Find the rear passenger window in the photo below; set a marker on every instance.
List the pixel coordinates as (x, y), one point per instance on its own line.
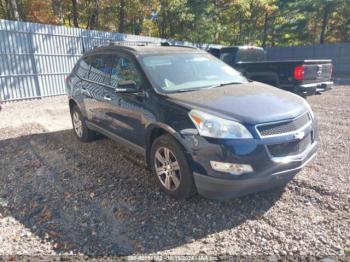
(83, 68)
(100, 70)
(124, 69)
(227, 58)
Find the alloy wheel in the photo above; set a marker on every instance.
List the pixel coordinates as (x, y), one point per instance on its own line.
(167, 168)
(77, 124)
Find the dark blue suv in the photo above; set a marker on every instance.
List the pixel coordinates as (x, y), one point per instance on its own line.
(201, 126)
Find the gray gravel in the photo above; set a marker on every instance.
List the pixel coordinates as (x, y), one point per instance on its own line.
(60, 196)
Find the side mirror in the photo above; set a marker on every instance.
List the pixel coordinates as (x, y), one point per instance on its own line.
(127, 86)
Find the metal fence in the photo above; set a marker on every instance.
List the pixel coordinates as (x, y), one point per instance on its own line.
(339, 53)
(36, 58)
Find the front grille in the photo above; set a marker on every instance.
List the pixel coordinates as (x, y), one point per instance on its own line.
(284, 127)
(291, 148)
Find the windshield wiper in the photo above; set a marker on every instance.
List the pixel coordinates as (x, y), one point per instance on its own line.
(206, 87)
(225, 84)
(186, 90)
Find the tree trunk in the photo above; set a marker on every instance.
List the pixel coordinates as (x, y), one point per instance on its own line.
(273, 32)
(14, 10)
(121, 28)
(57, 10)
(326, 13)
(161, 26)
(93, 19)
(75, 13)
(215, 22)
(346, 36)
(265, 30)
(240, 26)
(69, 20)
(7, 9)
(20, 7)
(314, 30)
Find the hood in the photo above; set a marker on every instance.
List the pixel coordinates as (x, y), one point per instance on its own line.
(250, 103)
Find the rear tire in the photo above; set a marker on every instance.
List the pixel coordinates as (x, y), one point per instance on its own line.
(80, 129)
(171, 168)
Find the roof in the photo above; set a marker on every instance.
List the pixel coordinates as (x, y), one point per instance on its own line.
(140, 50)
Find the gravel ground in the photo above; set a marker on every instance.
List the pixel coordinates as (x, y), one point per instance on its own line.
(60, 196)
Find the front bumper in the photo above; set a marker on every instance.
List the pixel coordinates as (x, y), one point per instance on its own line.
(269, 171)
(221, 189)
(314, 88)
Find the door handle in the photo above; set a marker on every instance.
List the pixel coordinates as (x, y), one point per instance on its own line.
(107, 97)
(84, 91)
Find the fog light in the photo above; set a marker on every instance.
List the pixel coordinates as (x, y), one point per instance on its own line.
(234, 169)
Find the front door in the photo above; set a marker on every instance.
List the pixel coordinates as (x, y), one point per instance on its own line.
(124, 111)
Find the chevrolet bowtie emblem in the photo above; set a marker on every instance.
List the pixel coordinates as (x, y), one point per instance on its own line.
(299, 135)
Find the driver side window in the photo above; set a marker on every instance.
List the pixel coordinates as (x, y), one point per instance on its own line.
(124, 69)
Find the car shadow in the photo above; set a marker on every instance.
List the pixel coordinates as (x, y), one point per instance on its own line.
(99, 199)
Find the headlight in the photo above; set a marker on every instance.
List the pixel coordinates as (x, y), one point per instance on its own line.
(310, 110)
(213, 126)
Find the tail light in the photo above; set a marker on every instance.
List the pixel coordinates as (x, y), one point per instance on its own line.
(299, 72)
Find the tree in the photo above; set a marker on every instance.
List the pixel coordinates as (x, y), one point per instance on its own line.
(75, 14)
(227, 22)
(3, 10)
(329, 6)
(39, 11)
(14, 10)
(121, 28)
(93, 18)
(57, 10)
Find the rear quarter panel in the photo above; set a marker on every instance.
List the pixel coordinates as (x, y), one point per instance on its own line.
(275, 73)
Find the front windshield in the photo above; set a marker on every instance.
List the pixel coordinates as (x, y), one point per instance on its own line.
(189, 71)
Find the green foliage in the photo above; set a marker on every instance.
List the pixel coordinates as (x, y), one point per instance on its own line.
(228, 22)
(2, 10)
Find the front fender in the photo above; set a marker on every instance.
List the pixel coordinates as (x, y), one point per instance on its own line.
(166, 129)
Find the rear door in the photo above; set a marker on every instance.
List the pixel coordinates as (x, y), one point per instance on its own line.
(81, 72)
(98, 77)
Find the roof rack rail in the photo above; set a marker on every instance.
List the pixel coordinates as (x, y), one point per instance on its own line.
(132, 43)
(167, 43)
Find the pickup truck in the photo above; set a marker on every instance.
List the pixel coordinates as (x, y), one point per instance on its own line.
(303, 77)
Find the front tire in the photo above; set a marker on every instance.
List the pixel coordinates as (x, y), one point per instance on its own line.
(80, 129)
(170, 165)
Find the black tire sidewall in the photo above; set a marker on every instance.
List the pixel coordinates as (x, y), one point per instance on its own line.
(187, 187)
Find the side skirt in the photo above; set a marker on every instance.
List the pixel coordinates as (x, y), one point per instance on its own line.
(138, 149)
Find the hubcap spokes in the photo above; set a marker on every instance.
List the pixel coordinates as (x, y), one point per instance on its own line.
(77, 124)
(167, 168)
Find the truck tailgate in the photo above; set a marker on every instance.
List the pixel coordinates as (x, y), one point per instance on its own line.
(317, 71)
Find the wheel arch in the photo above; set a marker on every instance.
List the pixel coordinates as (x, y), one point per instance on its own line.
(72, 103)
(156, 130)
